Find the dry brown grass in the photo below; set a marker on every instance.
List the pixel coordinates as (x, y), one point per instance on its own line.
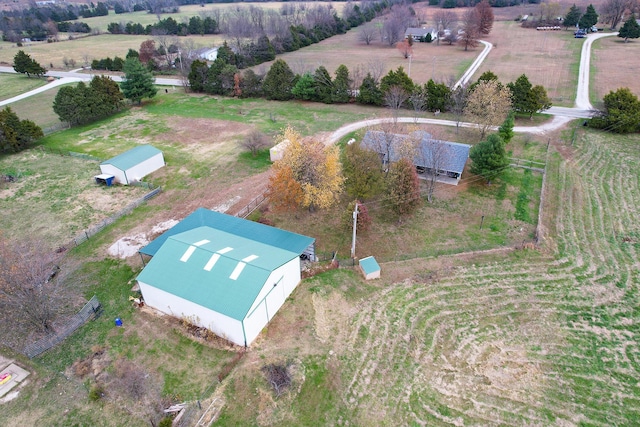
(614, 64)
(428, 60)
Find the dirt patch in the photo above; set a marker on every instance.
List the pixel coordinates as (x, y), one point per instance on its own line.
(206, 133)
(128, 246)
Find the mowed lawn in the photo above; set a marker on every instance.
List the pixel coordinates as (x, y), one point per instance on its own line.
(14, 84)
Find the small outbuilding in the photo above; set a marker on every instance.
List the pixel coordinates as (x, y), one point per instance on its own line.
(369, 268)
(277, 151)
(229, 275)
(133, 165)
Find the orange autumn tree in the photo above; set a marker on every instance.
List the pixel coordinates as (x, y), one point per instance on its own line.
(309, 175)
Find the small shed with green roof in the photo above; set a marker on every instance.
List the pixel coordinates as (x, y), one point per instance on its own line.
(133, 165)
(370, 268)
(227, 282)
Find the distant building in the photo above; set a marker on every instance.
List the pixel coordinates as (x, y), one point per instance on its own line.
(419, 34)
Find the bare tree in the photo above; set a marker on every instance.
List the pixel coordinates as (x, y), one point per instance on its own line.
(488, 105)
(398, 19)
(32, 295)
(485, 17)
(451, 38)
(458, 103)
(376, 69)
(418, 100)
(613, 11)
(167, 43)
(471, 29)
(395, 98)
(432, 155)
(254, 142)
(367, 33)
(443, 20)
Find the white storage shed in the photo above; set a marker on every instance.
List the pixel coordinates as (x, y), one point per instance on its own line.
(133, 165)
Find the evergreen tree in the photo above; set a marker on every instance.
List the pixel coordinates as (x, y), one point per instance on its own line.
(438, 96)
(341, 85)
(16, 134)
(251, 85)
(324, 85)
(213, 84)
(108, 95)
(621, 112)
(198, 75)
(279, 81)
(506, 129)
(630, 29)
(138, 82)
(573, 17)
(264, 50)
(521, 100)
(589, 19)
(369, 93)
(24, 64)
(397, 78)
(489, 158)
(305, 88)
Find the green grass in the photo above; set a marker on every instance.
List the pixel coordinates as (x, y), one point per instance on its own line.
(38, 108)
(15, 84)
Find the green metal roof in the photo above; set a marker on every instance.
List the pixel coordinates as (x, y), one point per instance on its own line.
(215, 269)
(369, 265)
(132, 157)
(255, 231)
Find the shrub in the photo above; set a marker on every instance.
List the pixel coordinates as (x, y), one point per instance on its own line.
(96, 393)
(166, 422)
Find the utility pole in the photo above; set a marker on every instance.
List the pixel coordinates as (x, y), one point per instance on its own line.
(355, 221)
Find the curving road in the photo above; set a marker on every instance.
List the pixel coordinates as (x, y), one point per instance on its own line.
(562, 115)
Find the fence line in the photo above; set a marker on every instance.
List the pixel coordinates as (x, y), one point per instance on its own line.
(68, 153)
(91, 309)
(55, 128)
(252, 206)
(86, 234)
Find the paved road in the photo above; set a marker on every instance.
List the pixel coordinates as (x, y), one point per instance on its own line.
(562, 115)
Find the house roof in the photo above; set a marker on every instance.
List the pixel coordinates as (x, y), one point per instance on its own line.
(448, 156)
(215, 269)
(262, 233)
(417, 32)
(132, 157)
(369, 265)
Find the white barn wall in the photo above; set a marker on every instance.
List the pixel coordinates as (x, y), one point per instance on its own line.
(144, 168)
(173, 305)
(117, 173)
(271, 298)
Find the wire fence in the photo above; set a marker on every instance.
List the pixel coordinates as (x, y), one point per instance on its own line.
(92, 309)
(55, 128)
(86, 234)
(68, 153)
(252, 206)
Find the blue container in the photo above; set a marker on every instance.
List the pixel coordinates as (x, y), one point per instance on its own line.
(118, 321)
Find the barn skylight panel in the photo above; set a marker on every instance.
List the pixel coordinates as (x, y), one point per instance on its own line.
(212, 261)
(191, 249)
(224, 250)
(236, 271)
(250, 258)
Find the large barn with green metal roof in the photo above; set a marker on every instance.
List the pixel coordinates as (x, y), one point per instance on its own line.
(217, 275)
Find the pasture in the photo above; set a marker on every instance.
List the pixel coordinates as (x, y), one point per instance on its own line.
(14, 84)
(613, 66)
(465, 327)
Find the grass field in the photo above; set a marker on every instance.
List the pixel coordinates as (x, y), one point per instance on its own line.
(460, 330)
(14, 84)
(186, 11)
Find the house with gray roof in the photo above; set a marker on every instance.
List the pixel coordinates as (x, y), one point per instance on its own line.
(419, 34)
(431, 156)
(230, 276)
